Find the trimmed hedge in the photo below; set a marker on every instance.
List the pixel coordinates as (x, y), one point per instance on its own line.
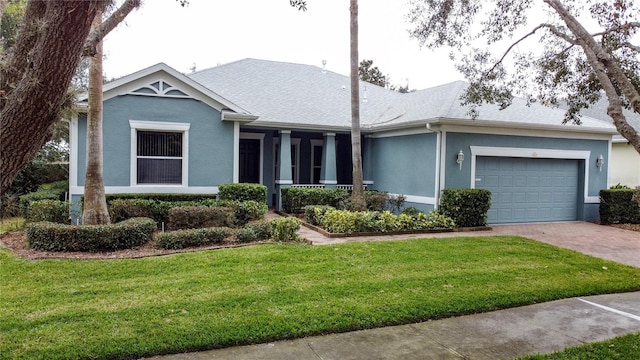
(285, 229)
(243, 192)
(346, 222)
(617, 206)
(54, 192)
(181, 239)
(57, 237)
(295, 199)
(195, 217)
(255, 231)
(55, 211)
(162, 197)
(467, 207)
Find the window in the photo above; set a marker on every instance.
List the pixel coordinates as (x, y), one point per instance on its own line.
(159, 157)
(316, 160)
(159, 153)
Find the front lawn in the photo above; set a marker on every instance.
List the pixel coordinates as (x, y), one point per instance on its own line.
(625, 347)
(71, 309)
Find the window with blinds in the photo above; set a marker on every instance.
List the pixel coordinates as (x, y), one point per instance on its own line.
(159, 157)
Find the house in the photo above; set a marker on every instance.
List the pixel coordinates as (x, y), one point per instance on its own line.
(283, 124)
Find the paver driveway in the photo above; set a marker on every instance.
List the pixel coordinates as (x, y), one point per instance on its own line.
(597, 240)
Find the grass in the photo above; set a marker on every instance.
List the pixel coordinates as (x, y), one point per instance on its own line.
(621, 348)
(72, 309)
(11, 224)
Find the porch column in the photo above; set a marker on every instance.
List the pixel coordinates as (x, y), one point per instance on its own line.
(329, 173)
(367, 161)
(285, 177)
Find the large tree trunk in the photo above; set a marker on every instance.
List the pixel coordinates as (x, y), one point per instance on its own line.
(357, 195)
(36, 75)
(95, 205)
(608, 73)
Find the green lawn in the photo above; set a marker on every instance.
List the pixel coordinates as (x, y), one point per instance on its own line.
(71, 309)
(621, 348)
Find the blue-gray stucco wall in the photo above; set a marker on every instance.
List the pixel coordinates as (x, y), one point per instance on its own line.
(461, 178)
(405, 164)
(210, 139)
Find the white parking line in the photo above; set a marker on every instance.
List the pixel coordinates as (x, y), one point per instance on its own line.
(631, 316)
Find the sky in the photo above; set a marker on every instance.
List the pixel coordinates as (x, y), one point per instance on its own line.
(208, 33)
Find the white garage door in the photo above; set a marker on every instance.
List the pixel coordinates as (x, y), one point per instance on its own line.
(529, 190)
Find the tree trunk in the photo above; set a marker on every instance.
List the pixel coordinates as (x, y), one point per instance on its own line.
(36, 75)
(357, 195)
(95, 205)
(608, 73)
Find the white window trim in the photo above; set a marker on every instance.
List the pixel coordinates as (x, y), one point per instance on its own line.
(314, 143)
(236, 167)
(158, 126)
(534, 153)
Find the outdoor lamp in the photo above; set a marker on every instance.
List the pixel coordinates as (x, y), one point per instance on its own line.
(600, 162)
(460, 158)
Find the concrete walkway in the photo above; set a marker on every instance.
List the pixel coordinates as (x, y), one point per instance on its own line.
(504, 334)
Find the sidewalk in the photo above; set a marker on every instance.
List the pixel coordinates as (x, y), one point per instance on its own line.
(504, 334)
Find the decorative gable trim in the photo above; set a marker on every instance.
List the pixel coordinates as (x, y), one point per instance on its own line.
(161, 88)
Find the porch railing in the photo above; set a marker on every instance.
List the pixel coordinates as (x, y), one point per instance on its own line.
(322, 186)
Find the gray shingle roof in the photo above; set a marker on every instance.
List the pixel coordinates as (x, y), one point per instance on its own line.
(305, 96)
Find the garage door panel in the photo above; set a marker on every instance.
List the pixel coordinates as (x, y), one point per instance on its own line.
(529, 190)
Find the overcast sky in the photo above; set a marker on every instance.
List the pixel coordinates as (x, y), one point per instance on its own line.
(213, 32)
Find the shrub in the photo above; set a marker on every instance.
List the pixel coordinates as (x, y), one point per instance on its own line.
(248, 211)
(395, 202)
(26, 200)
(619, 186)
(55, 211)
(180, 239)
(313, 213)
(467, 207)
(344, 221)
(243, 192)
(9, 205)
(163, 197)
(295, 199)
(618, 207)
(339, 221)
(376, 200)
(255, 231)
(285, 229)
(123, 209)
(194, 217)
(58, 237)
(411, 211)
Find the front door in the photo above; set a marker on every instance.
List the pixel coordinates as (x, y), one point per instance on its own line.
(250, 161)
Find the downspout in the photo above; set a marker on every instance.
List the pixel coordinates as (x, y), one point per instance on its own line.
(438, 163)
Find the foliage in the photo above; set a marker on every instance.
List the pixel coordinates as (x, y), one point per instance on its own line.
(163, 197)
(313, 213)
(134, 308)
(346, 222)
(11, 224)
(567, 64)
(246, 211)
(618, 207)
(58, 237)
(467, 207)
(9, 205)
(395, 202)
(371, 74)
(194, 217)
(243, 192)
(181, 239)
(255, 231)
(285, 229)
(10, 23)
(619, 186)
(54, 211)
(37, 173)
(295, 199)
(411, 211)
(53, 191)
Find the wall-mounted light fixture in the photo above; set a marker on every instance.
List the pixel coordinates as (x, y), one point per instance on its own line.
(460, 158)
(600, 162)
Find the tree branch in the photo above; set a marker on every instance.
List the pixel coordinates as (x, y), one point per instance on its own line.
(626, 27)
(116, 18)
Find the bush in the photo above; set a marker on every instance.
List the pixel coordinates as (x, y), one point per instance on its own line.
(9, 205)
(411, 211)
(285, 229)
(255, 231)
(58, 237)
(123, 209)
(26, 200)
(55, 211)
(248, 211)
(195, 217)
(243, 192)
(376, 200)
(618, 207)
(180, 239)
(196, 198)
(467, 207)
(344, 221)
(295, 199)
(313, 213)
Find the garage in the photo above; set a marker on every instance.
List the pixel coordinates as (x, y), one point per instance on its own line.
(529, 189)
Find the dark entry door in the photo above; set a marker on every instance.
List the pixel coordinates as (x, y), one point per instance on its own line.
(249, 161)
